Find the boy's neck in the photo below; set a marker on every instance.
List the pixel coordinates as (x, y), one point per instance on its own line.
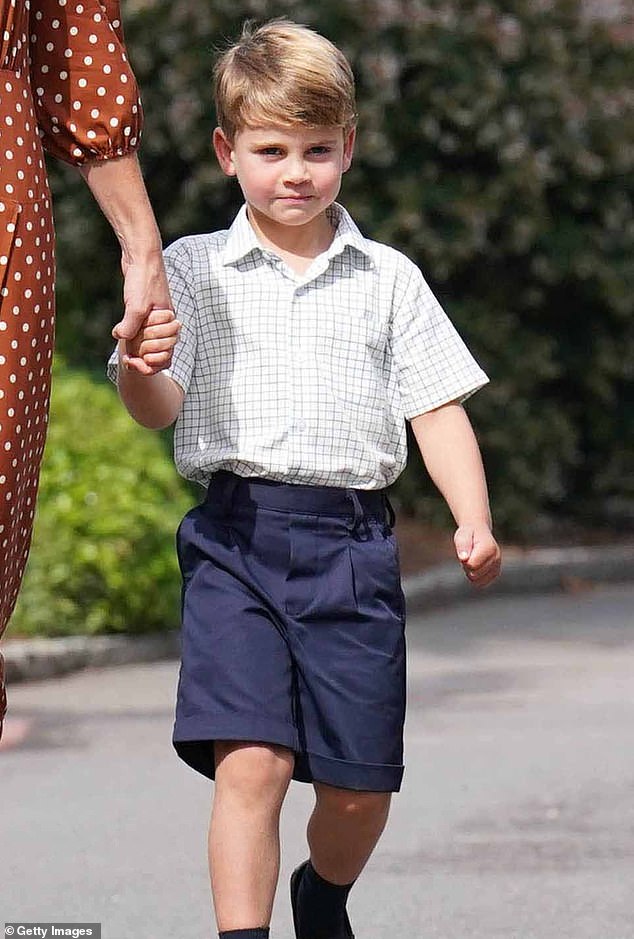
(297, 245)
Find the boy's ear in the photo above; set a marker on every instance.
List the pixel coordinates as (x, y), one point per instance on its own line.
(348, 147)
(224, 152)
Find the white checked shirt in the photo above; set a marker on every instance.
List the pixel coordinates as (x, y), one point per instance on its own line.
(306, 378)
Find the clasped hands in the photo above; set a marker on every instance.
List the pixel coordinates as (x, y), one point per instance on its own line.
(150, 350)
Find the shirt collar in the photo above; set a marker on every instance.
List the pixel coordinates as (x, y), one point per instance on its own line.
(242, 240)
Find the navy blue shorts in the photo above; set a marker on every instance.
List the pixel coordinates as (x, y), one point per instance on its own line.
(293, 630)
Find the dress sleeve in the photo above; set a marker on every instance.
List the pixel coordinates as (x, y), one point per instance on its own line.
(86, 96)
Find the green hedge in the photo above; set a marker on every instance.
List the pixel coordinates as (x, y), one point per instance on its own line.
(495, 149)
(103, 557)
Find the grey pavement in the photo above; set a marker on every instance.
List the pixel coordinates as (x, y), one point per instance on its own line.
(516, 817)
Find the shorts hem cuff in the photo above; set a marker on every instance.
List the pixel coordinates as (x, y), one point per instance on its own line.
(193, 738)
(369, 777)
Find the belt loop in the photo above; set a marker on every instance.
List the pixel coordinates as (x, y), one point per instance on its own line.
(390, 513)
(357, 510)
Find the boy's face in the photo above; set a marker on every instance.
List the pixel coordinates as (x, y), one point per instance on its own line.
(289, 175)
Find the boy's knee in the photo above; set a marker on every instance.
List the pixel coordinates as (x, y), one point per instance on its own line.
(253, 772)
(352, 804)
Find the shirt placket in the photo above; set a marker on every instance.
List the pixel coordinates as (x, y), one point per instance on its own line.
(289, 377)
(298, 420)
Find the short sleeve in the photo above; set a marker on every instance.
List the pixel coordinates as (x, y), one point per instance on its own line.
(184, 356)
(432, 363)
(178, 268)
(86, 96)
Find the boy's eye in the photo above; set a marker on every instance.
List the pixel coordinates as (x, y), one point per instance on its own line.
(319, 150)
(270, 151)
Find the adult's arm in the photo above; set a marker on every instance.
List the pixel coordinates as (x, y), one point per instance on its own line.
(89, 114)
(118, 187)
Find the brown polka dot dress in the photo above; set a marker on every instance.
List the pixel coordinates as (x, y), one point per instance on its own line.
(65, 83)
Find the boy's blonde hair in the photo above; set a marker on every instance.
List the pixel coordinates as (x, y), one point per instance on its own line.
(283, 73)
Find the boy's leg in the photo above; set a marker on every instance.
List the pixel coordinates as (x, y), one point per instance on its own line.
(244, 850)
(342, 832)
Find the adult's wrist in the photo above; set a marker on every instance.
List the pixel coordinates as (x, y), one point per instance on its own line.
(141, 250)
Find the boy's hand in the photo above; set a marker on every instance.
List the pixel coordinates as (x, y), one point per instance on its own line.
(150, 351)
(479, 553)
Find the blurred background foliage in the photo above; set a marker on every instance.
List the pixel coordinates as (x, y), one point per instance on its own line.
(103, 557)
(495, 149)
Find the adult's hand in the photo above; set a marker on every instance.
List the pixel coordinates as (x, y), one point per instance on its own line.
(145, 288)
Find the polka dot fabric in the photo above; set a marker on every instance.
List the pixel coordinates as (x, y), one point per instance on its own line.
(65, 84)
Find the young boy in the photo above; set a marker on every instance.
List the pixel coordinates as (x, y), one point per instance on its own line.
(303, 348)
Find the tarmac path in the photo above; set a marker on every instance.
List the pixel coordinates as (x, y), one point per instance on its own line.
(516, 818)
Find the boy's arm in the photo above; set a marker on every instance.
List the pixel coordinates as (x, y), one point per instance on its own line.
(451, 454)
(152, 398)
(154, 401)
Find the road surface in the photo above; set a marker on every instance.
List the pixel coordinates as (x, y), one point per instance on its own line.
(516, 818)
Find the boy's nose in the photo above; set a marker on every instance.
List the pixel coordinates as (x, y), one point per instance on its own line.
(296, 171)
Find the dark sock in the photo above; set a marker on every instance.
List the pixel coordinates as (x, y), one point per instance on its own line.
(321, 906)
(261, 933)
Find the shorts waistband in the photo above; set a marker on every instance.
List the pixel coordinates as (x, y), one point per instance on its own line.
(226, 488)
